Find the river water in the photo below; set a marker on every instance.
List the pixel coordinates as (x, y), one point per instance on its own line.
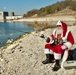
(10, 30)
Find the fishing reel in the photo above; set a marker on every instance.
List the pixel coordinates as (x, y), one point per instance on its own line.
(56, 41)
(47, 39)
(42, 36)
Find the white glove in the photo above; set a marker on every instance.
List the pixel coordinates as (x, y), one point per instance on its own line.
(63, 47)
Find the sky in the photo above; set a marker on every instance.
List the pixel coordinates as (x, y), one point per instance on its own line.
(20, 7)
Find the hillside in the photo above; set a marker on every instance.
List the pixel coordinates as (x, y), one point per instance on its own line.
(53, 9)
(64, 12)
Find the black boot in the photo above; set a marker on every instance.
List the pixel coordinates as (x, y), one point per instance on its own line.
(48, 59)
(57, 66)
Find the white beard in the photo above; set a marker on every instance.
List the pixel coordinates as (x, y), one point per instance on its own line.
(59, 31)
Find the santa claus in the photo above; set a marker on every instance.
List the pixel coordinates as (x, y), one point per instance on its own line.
(58, 44)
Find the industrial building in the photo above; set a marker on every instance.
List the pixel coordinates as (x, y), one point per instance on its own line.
(8, 16)
(3, 15)
(11, 14)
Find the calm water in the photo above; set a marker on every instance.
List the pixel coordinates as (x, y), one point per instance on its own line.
(12, 31)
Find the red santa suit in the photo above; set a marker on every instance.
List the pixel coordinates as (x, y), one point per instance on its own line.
(57, 49)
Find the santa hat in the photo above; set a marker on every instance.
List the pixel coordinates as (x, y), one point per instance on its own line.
(59, 23)
(64, 26)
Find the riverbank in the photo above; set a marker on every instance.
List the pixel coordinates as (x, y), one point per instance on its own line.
(50, 20)
(41, 23)
(25, 56)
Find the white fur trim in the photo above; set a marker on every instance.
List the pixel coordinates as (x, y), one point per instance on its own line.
(47, 51)
(67, 33)
(65, 37)
(65, 56)
(68, 44)
(57, 56)
(59, 23)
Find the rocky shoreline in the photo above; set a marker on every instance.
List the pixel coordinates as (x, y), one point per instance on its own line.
(25, 56)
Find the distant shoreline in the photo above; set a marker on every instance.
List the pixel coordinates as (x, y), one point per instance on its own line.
(52, 20)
